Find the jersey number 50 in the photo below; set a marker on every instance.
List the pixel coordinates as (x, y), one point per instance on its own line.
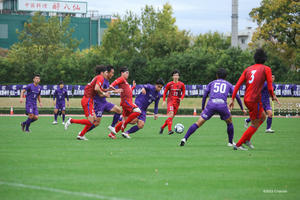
(219, 88)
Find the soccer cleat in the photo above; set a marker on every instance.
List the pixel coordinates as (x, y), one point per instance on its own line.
(239, 148)
(170, 132)
(112, 136)
(54, 122)
(269, 130)
(27, 131)
(63, 123)
(23, 126)
(161, 130)
(68, 123)
(182, 142)
(246, 124)
(126, 135)
(81, 138)
(230, 144)
(112, 129)
(249, 144)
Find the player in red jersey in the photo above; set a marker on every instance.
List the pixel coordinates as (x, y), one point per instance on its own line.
(130, 110)
(254, 76)
(87, 102)
(176, 94)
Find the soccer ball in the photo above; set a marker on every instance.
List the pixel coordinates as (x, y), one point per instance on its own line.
(179, 128)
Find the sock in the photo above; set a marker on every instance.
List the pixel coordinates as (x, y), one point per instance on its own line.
(118, 127)
(269, 122)
(130, 118)
(55, 117)
(91, 128)
(248, 120)
(85, 129)
(170, 122)
(230, 132)
(133, 129)
(115, 119)
(27, 122)
(63, 117)
(81, 121)
(246, 135)
(191, 130)
(165, 124)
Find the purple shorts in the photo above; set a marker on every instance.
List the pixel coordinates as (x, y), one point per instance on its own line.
(266, 105)
(60, 106)
(100, 107)
(212, 109)
(142, 116)
(32, 109)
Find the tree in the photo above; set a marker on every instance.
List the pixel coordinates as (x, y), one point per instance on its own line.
(43, 42)
(279, 25)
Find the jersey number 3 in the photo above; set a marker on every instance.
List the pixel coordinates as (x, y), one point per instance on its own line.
(252, 76)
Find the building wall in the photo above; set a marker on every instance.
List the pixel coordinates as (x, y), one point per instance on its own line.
(86, 29)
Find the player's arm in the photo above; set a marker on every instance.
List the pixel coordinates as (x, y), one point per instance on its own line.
(133, 85)
(236, 88)
(67, 96)
(206, 92)
(145, 89)
(268, 72)
(54, 96)
(40, 100)
(156, 108)
(183, 91)
(165, 93)
(22, 95)
(100, 92)
(240, 104)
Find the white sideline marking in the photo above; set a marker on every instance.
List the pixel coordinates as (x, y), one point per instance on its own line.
(83, 194)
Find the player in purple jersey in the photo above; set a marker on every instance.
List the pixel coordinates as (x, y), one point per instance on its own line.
(33, 93)
(60, 105)
(218, 92)
(150, 93)
(265, 99)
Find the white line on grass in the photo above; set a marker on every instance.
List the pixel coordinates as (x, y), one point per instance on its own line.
(82, 194)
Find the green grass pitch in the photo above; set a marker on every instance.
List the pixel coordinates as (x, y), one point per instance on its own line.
(49, 163)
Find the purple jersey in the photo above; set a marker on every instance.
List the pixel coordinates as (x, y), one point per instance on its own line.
(97, 98)
(218, 91)
(32, 92)
(265, 96)
(60, 95)
(144, 100)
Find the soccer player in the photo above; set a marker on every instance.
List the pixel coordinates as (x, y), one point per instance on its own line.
(150, 93)
(176, 94)
(87, 102)
(254, 76)
(130, 110)
(265, 99)
(218, 92)
(102, 105)
(33, 93)
(60, 94)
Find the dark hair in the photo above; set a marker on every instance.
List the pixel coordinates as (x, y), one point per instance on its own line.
(123, 69)
(260, 57)
(36, 75)
(221, 73)
(60, 82)
(109, 68)
(176, 71)
(160, 81)
(99, 69)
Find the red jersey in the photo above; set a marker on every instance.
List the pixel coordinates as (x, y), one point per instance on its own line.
(89, 90)
(126, 94)
(255, 76)
(176, 91)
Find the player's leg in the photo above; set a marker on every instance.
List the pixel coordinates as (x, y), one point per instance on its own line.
(269, 121)
(134, 110)
(192, 129)
(140, 124)
(32, 112)
(63, 113)
(55, 115)
(257, 116)
(230, 131)
(118, 111)
(169, 120)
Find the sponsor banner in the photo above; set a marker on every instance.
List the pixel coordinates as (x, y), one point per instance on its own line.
(287, 90)
(296, 91)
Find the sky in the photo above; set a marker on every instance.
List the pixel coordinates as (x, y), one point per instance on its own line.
(196, 16)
